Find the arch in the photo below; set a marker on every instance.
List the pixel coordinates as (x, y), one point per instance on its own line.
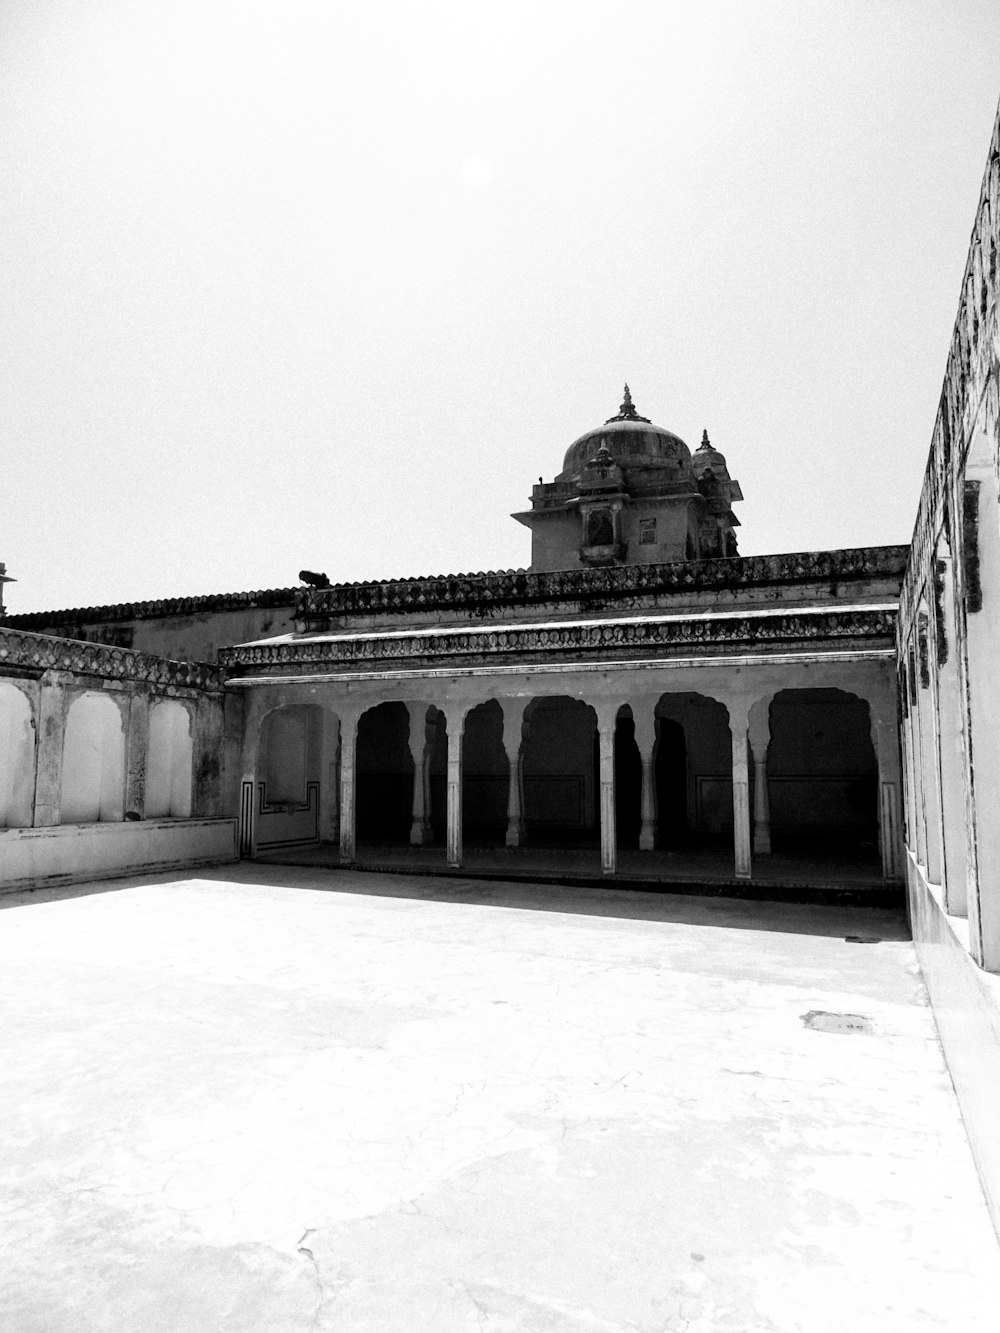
(823, 774)
(600, 528)
(286, 803)
(485, 774)
(561, 788)
(168, 762)
(93, 769)
(384, 774)
(17, 757)
(693, 770)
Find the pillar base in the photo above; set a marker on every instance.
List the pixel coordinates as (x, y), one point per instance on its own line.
(421, 835)
(762, 841)
(647, 840)
(515, 835)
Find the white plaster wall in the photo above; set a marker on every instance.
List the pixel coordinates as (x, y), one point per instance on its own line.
(168, 763)
(71, 853)
(283, 754)
(17, 757)
(93, 761)
(966, 1002)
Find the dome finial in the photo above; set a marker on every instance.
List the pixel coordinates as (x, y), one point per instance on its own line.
(705, 443)
(627, 410)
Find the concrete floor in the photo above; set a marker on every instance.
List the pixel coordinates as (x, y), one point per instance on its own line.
(245, 1100)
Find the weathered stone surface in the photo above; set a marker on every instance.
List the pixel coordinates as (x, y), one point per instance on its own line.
(21, 651)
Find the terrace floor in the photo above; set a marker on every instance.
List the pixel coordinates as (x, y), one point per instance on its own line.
(288, 1098)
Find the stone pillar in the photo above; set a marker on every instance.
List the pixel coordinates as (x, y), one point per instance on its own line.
(49, 751)
(738, 722)
(885, 739)
(760, 739)
(645, 739)
(513, 720)
(929, 753)
(916, 749)
(211, 763)
(420, 753)
(455, 715)
(348, 754)
(136, 720)
(329, 798)
(606, 718)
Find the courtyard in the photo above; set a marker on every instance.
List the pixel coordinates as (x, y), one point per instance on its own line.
(283, 1098)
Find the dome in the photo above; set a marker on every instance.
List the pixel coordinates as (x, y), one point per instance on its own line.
(631, 440)
(706, 456)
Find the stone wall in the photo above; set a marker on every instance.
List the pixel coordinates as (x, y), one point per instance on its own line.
(89, 734)
(948, 644)
(189, 629)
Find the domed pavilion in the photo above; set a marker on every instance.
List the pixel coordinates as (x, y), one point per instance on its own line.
(631, 493)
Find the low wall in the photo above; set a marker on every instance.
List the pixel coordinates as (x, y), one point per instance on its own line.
(966, 1003)
(69, 853)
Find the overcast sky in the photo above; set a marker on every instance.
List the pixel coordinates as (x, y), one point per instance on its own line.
(329, 286)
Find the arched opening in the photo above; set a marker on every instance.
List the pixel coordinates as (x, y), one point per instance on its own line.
(168, 762)
(671, 780)
(93, 762)
(693, 769)
(823, 776)
(600, 528)
(17, 758)
(485, 776)
(384, 775)
(288, 783)
(561, 788)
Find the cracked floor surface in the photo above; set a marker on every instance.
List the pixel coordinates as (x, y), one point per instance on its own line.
(281, 1099)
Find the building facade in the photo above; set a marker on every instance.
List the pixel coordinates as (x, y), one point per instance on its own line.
(640, 690)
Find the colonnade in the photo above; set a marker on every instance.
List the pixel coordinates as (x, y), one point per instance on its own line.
(749, 728)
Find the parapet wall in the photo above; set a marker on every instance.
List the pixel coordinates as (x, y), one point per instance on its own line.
(856, 575)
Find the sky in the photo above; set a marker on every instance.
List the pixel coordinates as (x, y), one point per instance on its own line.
(329, 286)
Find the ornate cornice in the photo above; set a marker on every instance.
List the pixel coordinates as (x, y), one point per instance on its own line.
(861, 626)
(32, 654)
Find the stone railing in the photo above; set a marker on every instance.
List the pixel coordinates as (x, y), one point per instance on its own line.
(476, 594)
(870, 627)
(35, 653)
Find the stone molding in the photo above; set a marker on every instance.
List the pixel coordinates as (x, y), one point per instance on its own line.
(477, 594)
(33, 654)
(264, 599)
(869, 626)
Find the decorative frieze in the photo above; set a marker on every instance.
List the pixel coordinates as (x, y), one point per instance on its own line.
(33, 654)
(869, 626)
